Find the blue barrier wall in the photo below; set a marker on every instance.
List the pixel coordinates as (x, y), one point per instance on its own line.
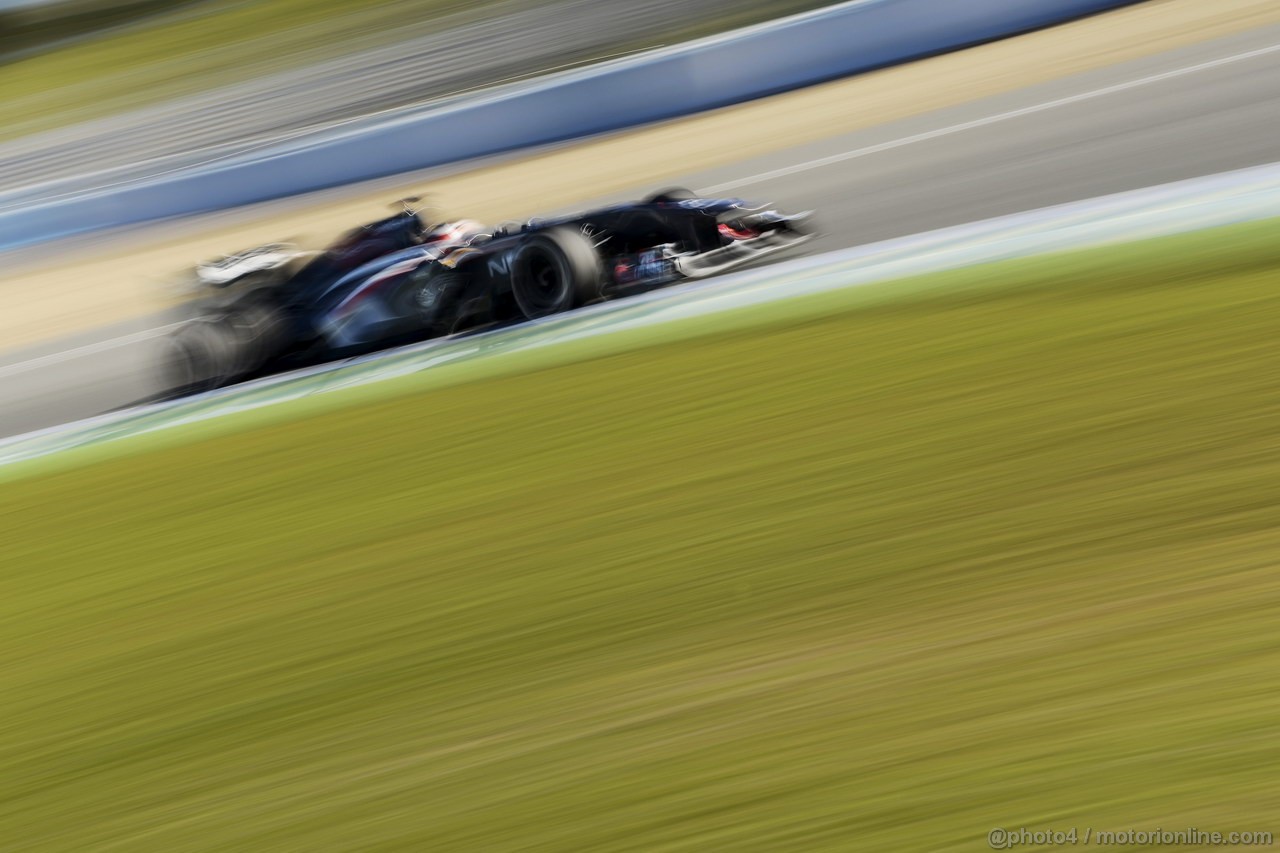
(845, 39)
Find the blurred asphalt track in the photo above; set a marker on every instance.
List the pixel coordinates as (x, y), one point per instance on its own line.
(1201, 109)
(432, 59)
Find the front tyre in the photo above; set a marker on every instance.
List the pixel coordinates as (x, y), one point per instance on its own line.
(554, 271)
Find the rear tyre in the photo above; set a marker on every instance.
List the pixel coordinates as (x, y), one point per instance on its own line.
(201, 356)
(554, 271)
(256, 331)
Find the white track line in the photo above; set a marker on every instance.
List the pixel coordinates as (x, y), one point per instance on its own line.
(90, 349)
(983, 122)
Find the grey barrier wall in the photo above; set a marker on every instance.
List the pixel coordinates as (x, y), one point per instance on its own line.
(837, 41)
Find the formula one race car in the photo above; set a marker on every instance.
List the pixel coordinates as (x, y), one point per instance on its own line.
(397, 280)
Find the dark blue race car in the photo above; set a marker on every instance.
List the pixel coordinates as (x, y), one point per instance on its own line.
(397, 280)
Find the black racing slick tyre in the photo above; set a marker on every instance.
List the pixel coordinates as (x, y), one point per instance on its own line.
(257, 330)
(200, 356)
(554, 271)
(671, 194)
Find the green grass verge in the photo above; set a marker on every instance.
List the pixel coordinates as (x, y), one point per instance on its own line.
(25, 30)
(196, 48)
(1001, 553)
(192, 50)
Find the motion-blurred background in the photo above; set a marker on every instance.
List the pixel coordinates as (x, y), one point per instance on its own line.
(960, 528)
(162, 80)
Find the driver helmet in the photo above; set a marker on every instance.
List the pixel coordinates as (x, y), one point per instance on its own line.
(460, 232)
